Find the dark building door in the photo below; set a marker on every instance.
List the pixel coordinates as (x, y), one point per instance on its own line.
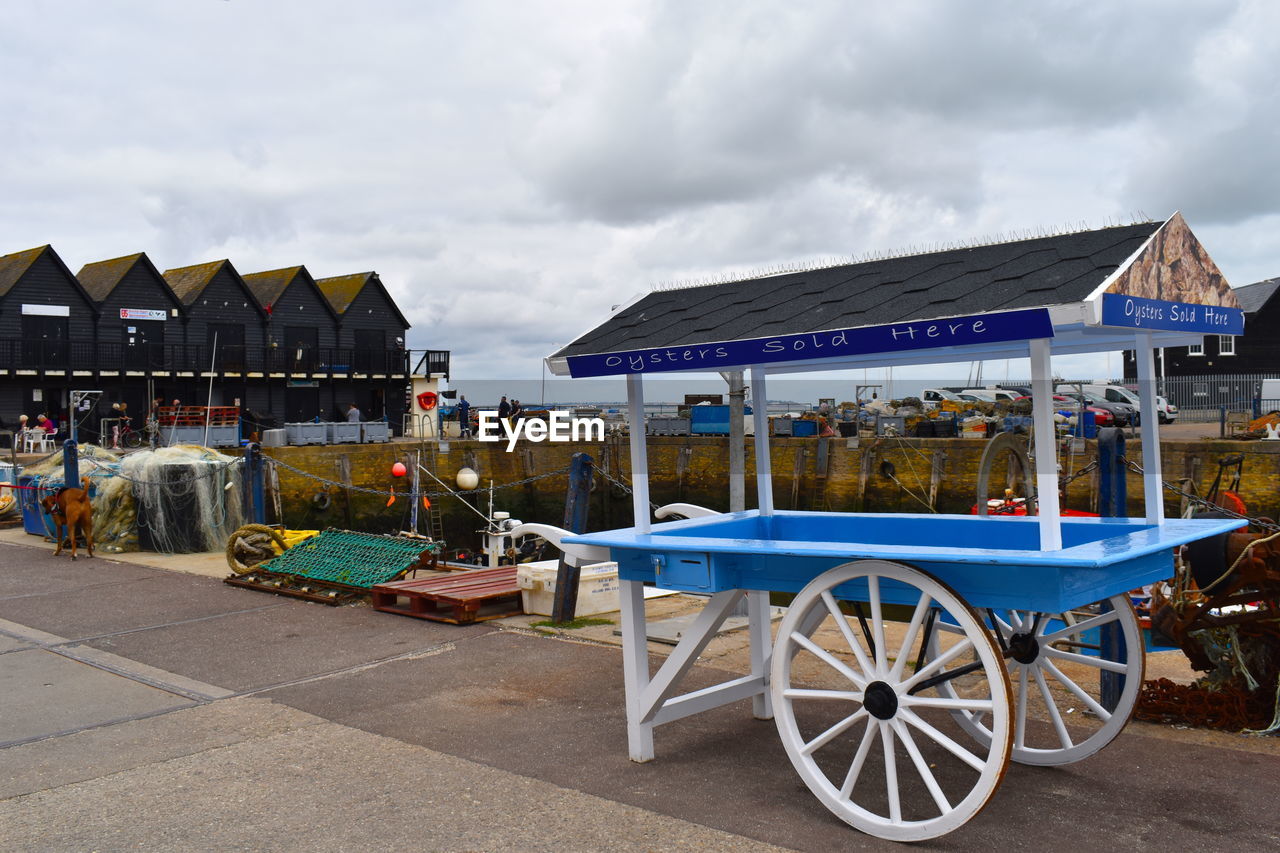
(230, 346)
(370, 351)
(301, 404)
(143, 343)
(302, 343)
(46, 341)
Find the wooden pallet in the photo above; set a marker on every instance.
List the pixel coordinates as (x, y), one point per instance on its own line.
(459, 598)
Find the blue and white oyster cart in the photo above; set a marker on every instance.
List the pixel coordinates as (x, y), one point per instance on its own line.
(921, 652)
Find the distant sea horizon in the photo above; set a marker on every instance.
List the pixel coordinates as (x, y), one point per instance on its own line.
(657, 391)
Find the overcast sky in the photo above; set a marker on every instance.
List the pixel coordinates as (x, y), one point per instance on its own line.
(513, 169)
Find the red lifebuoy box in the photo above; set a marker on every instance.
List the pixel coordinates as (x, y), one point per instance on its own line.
(427, 400)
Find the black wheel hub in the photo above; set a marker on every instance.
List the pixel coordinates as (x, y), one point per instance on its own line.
(1024, 648)
(880, 700)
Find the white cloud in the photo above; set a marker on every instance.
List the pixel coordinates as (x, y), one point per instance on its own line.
(514, 169)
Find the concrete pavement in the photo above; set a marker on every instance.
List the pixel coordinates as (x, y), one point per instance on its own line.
(145, 709)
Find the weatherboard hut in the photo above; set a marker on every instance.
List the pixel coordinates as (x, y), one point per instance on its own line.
(894, 589)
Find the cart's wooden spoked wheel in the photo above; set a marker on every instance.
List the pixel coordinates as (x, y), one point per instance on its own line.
(857, 702)
(1076, 678)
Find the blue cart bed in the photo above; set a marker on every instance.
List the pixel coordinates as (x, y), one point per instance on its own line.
(989, 562)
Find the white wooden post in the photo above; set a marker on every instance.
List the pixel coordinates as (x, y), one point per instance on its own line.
(1152, 485)
(1045, 446)
(760, 418)
(639, 453)
(635, 645)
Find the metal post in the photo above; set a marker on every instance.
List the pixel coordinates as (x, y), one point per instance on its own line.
(1113, 647)
(576, 504)
(1045, 444)
(639, 453)
(737, 438)
(70, 463)
(257, 495)
(1153, 487)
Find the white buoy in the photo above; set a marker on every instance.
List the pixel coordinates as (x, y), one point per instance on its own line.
(468, 479)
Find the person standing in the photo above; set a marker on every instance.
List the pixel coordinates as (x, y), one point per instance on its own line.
(516, 410)
(353, 414)
(464, 417)
(504, 409)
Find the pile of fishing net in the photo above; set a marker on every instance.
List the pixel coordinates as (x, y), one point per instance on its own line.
(173, 500)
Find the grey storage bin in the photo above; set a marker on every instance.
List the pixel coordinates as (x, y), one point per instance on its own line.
(305, 433)
(343, 433)
(780, 426)
(223, 436)
(274, 438)
(376, 432)
(663, 425)
(182, 435)
(891, 424)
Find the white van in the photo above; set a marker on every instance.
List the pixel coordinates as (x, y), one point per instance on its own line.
(931, 397)
(993, 395)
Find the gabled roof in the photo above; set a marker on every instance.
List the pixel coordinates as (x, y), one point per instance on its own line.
(1149, 284)
(14, 266)
(1044, 271)
(1253, 296)
(188, 283)
(99, 279)
(269, 286)
(342, 290)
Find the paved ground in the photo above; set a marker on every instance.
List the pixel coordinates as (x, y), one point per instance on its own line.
(146, 709)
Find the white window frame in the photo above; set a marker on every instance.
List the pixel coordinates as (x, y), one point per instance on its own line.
(1226, 344)
(1195, 349)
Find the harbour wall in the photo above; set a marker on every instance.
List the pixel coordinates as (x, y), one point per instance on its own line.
(830, 474)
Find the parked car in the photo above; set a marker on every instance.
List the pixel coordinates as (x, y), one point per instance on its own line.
(977, 395)
(1123, 414)
(1101, 417)
(1167, 411)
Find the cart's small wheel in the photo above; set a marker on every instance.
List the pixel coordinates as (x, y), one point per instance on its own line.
(855, 696)
(1072, 672)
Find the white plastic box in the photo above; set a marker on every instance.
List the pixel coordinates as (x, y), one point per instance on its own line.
(597, 587)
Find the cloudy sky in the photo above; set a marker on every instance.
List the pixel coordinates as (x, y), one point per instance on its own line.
(513, 169)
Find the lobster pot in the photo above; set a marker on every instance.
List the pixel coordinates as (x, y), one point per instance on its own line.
(186, 506)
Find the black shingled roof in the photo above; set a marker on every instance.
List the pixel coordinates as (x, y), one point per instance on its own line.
(1043, 271)
(1253, 296)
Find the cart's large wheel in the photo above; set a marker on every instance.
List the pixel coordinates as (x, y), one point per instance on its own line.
(855, 698)
(1065, 670)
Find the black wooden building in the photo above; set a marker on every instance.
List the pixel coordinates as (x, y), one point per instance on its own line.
(272, 343)
(1255, 352)
(47, 329)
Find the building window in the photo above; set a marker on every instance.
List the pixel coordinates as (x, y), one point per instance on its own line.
(1226, 344)
(1195, 349)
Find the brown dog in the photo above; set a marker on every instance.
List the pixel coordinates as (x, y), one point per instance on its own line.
(71, 511)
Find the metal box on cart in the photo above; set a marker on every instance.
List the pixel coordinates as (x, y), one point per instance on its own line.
(711, 420)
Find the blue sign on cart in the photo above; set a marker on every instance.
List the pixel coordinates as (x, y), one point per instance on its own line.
(1021, 325)
(1135, 312)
